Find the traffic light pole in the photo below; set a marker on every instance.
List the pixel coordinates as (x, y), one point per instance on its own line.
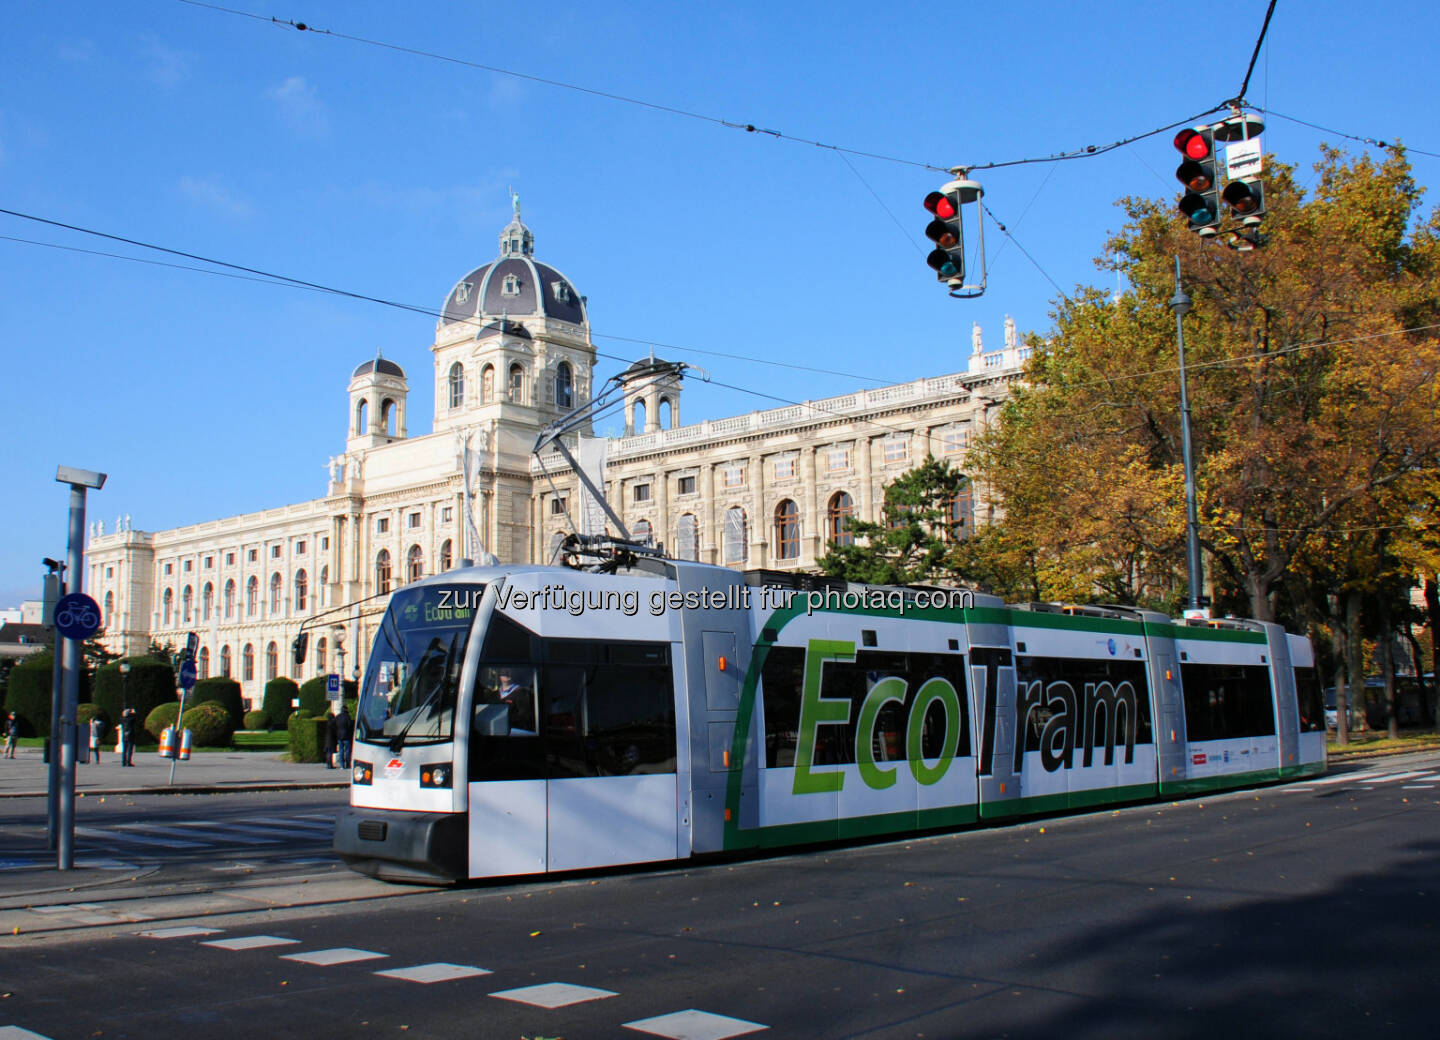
(1180, 304)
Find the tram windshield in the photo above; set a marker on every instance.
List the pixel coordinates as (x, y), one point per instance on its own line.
(413, 676)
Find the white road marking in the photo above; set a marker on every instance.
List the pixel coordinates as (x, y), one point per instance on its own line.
(553, 994)
(439, 972)
(694, 1025)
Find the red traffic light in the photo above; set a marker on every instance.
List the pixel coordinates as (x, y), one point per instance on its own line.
(942, 205)
(1195, 144)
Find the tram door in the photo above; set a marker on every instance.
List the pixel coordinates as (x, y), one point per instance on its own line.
(612, 799)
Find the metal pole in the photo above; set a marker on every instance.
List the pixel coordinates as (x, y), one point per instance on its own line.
(75, 563)
(1180, 304)
(52, 800)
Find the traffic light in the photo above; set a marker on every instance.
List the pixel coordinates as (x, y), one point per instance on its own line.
(1197, 171)
(1246, 200)
(948, 234)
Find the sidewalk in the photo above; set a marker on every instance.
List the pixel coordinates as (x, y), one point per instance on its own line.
(37, 898)
(27, 774)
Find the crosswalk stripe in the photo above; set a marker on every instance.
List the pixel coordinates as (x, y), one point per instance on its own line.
(211, 833)
(138, 839)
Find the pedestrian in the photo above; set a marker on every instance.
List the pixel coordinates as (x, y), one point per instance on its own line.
(344, 730)
(12, 734)
(331, 740)
(127, 737)
(97, 732)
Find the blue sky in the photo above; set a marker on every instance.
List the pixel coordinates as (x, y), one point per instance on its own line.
(386, 174)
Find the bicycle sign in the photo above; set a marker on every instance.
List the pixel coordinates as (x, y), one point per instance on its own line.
(77, 616)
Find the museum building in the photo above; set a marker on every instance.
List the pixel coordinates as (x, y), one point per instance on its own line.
(513, 355)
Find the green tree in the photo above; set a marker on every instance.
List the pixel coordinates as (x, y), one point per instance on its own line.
(1312, 382)
(913, 540)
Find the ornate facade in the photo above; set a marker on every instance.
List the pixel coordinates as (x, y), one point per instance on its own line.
(512, 354)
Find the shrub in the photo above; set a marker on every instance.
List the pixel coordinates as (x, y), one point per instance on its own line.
(223, 691)
(313, 700)
(256, 720)
(28, 694)
(279, 693)
(151, 684)
(159, 718)
(209, 724)
(307, 737)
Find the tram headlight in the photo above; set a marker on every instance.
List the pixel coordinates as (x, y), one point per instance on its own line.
(437, 774)
(363, 773)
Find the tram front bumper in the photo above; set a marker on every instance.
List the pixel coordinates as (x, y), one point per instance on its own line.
(403, 846)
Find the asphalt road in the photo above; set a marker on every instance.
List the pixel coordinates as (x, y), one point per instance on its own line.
(1307, 910)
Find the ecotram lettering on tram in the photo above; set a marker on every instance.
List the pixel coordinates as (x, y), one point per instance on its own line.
(523, 719)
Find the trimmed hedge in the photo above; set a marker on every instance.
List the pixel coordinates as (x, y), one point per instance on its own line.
(220, 690)
(256, 720)
(276, 703)
(209, 724)
(151, 684)
(307, 737)
(313, 700)
(159, 718)
(28, 693)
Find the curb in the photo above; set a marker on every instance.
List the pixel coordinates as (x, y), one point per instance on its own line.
(194, 789)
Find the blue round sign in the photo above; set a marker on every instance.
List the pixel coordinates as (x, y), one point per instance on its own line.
(77, 616)
(187, 673)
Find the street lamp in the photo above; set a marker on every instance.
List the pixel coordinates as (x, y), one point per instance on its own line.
(1180, 304)
(124, 685)
(340, 650)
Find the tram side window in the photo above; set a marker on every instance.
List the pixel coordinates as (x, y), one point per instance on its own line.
(1307, 691)
(1043, 683)
(590, 709)
(783, 679)
(1224, 701)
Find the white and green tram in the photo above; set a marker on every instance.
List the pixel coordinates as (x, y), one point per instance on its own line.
(522, 719)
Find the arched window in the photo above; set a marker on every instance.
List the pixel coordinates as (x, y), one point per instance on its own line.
(382, 571)
(787, 530)
(516, 385)
(961, 515)
(272, 661)
(837, 516)
(225, 661)
(275, 586)
(202, 666)
(229, 599)
(446, 555)
(320, 648)
(640, 531)
(457, 385)
(564, 386)
(362, 417)
(637, 417)
(667, 414)
(487, 384)
(109, 608)
(167, 602)
(207, 601)
(302, 589)
(186, 600)
(414, 564)
(247, 663)
(323, 592)
(687, 537)
(387, 417)
(735, 544)
(252, 596)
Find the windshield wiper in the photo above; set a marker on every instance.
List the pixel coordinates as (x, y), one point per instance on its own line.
(398, 740)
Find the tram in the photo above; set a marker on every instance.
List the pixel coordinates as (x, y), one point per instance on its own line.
(519, 720)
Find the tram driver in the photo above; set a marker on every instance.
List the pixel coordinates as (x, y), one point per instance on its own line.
(514, 686)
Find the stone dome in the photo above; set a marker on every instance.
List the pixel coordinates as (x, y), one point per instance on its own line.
(515, 285)
(380, 366)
